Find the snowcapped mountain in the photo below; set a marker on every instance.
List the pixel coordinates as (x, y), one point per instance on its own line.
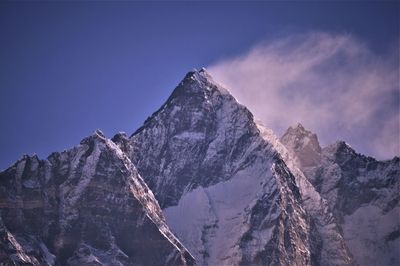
(84, 206)
(362, 192)
(231, 191)
(225, 189)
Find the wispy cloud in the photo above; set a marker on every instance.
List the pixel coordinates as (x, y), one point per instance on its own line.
(333, 84)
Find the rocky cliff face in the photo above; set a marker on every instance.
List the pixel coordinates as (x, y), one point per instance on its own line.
(84, 206)
(362, 192)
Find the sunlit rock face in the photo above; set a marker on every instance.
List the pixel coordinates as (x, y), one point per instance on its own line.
(84, 206)
(362, 192)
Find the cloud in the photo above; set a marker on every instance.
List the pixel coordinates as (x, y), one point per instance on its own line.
(333, 84)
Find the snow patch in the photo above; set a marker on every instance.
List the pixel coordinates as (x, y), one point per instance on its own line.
(210, 221)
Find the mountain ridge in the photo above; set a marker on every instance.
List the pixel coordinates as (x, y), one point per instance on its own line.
(230, 190)
(67, 206)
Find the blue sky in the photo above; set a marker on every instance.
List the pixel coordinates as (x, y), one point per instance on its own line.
(68, 68)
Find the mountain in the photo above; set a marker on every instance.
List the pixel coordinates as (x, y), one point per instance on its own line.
(224, 186)
(84, 206)
(362, 192)
(201, 170)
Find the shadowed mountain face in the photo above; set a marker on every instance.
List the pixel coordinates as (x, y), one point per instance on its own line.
(362, 192)
(229, 189)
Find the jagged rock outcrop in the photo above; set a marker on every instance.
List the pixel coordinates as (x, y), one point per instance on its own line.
(84, 206)
(362, 192)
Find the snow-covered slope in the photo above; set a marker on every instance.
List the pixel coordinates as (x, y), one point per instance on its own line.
(225, 189)
(84, 206)
(362, 192)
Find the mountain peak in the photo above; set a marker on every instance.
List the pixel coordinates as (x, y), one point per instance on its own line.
(198, 76)
(302, 143)
(197, 90)
(339, 149)
(299, 133)
(198, 81)
(298, 128)
(96, 137)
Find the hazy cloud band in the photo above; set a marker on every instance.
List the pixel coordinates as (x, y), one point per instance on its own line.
(333, 84)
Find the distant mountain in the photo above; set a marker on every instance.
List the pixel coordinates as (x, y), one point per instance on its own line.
(229, 189)
(362, 192)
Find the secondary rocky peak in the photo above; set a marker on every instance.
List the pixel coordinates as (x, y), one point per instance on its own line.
(96, 136)
(339, 147)
(299, 131)
(360, 190)
(340, 151)
(27, 158)
(302, 143)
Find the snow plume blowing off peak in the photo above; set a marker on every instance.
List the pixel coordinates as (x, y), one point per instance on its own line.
(334, 84)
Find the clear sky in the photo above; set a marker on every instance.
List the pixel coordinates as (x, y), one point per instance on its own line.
(68, 68)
